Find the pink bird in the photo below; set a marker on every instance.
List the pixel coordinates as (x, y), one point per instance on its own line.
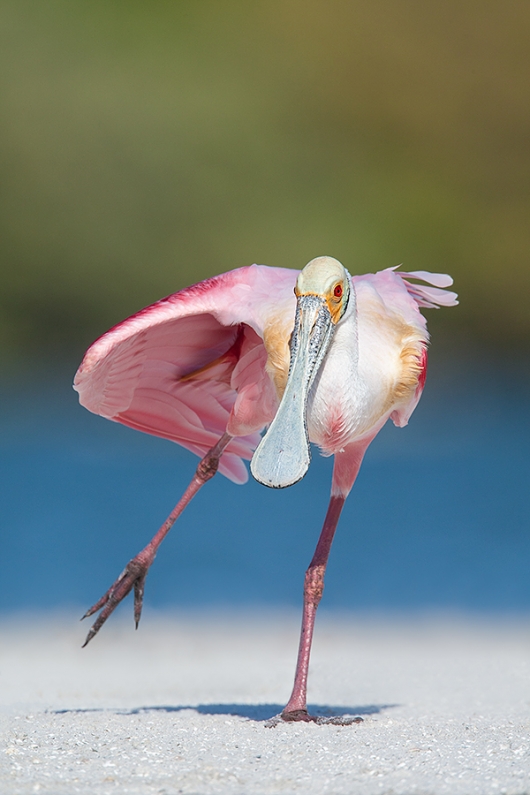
(316, 355)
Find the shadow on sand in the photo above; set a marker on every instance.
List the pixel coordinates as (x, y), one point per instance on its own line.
(256, 712)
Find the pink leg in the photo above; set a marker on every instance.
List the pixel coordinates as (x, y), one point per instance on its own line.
(135, 572)
(296, 708)
(346, 467)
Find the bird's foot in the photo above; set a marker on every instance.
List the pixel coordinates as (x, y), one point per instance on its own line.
(133, 576)
(297, 715)
(303, 715)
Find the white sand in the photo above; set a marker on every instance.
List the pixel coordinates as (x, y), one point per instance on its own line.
(178, 707)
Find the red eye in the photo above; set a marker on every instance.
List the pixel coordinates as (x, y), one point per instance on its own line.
(337, 292)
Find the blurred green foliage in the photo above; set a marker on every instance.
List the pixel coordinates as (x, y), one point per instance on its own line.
(148, 145)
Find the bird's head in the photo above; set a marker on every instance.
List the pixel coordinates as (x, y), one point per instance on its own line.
(326, 279)
(322, 291)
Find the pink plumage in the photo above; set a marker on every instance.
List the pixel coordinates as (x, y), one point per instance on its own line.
(132, 373)
(312, 355)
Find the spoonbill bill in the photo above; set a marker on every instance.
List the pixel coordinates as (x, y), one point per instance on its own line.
(314, 356)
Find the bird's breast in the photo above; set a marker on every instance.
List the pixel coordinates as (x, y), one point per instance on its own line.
(343, 404)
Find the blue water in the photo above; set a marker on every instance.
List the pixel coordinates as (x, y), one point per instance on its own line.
(439, 516)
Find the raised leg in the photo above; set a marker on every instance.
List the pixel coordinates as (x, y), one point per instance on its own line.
(135, 572)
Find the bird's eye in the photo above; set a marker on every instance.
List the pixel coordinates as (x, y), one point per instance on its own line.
(337, 292)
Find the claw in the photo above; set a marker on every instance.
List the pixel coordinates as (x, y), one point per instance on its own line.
(105, 598)
(138, 598)
(133, 576)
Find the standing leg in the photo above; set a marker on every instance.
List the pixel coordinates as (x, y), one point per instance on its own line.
(296, 708)
(345, 471)
(135, 572)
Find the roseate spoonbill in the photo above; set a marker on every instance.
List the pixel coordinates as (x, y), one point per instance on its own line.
(316, 355)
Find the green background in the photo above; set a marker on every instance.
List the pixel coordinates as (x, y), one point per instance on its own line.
(148, 145)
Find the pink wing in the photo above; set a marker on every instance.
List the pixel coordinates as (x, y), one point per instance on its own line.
(177, 368)
(403, 298)
(389, 285)
(431, 297)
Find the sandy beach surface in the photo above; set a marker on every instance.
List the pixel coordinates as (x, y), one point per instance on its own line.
(181, 706)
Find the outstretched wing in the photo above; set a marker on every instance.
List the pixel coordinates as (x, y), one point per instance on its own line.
(179, 367)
